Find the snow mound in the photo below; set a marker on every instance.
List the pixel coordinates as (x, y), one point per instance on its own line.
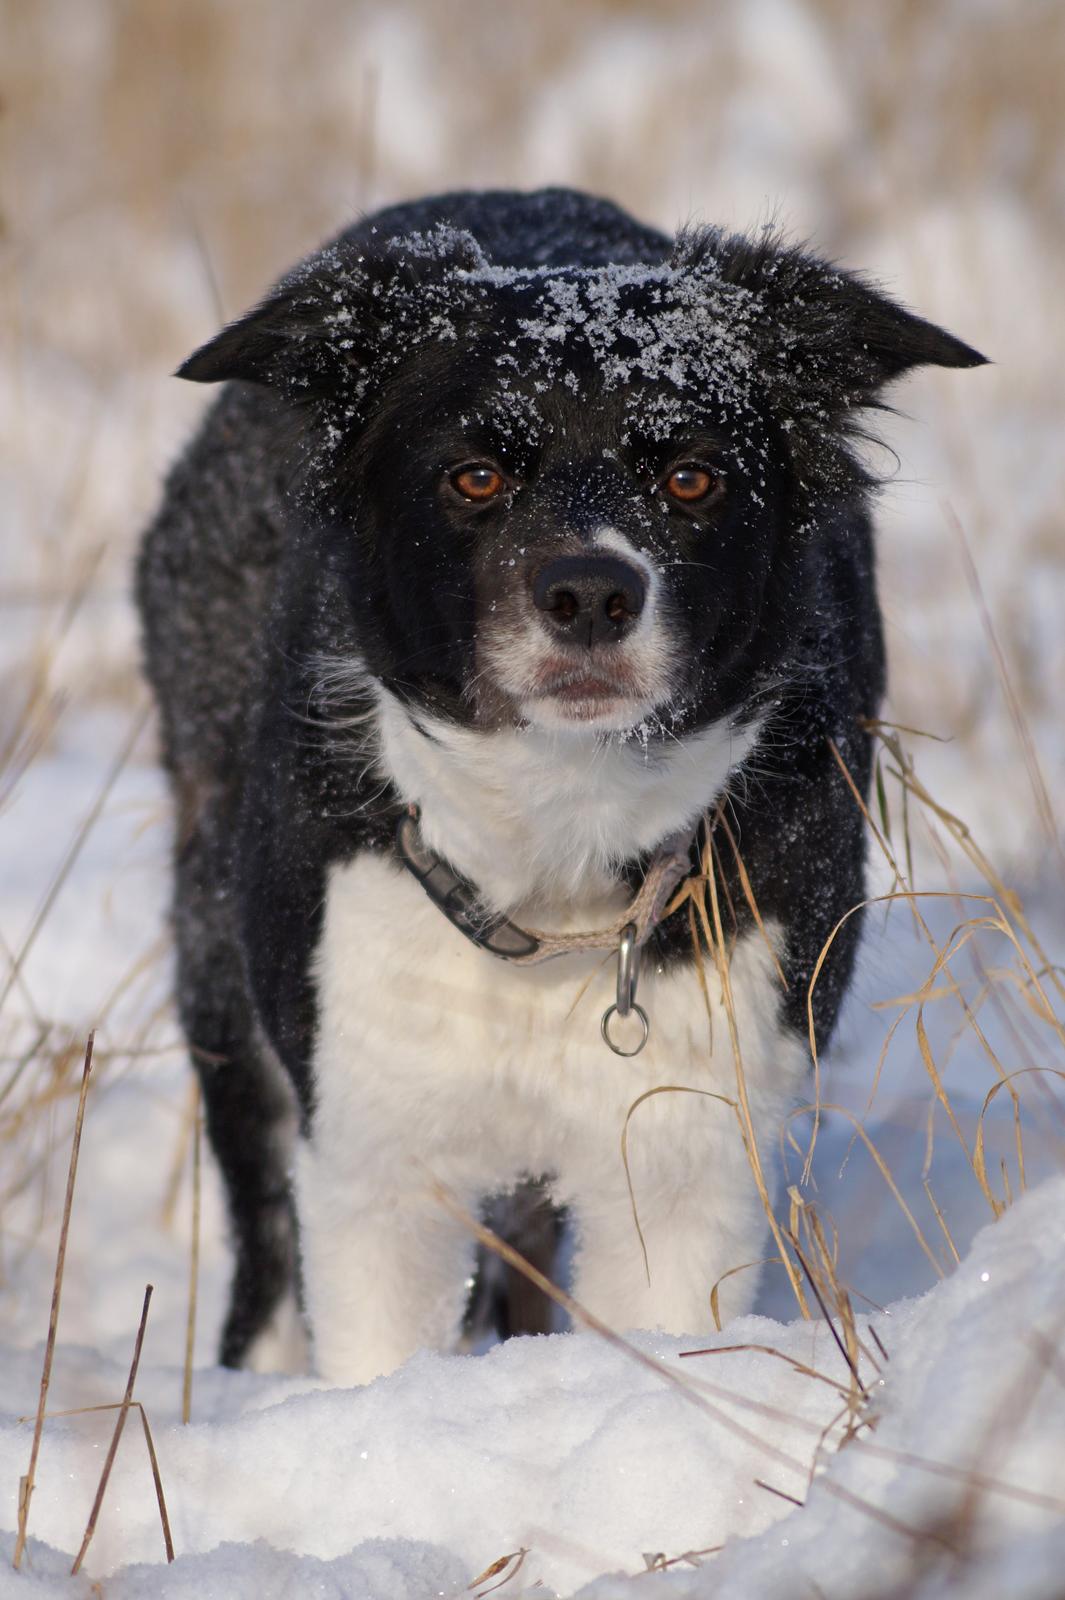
(596, 1458)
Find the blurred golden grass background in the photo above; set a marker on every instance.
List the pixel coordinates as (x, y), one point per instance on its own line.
(162, 163)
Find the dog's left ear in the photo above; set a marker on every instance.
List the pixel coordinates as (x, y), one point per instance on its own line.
(817, 325)
(875, 338)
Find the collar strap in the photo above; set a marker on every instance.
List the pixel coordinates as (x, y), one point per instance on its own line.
(457, 898)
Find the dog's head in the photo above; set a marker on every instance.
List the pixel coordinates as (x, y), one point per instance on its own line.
(576, 497)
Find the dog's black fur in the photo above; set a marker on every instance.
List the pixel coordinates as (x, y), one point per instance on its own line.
(312, 520)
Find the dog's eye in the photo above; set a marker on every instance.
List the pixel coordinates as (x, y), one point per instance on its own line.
(478, 481)
(691, 482)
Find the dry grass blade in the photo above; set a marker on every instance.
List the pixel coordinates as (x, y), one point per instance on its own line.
(692, 1557)
(42, 707)
(700, 970)
(875, 724)
(767, 1350)
(878, 1514)
(781, 1494)
(811, 1032)
(179, 1161)
(1001, 895)
(89, 821)
(695, 891)
(153, 1459)
(715, 939)
(907, 776)
(816, 1460)
(1004, 1419)
(112, 1449)
(28, 1055)
(515, 1561)
(885, 1172)
(157, 1480)
(929, 1062)
(26, 1484)
(979, 1154)
(194, 1260)
(31, 734)
(744, 1266)
(941, 1219)
(811, 1279)
(662, 1088)
(1043, 803)
(881, 797)
(838, 1290)
(947, 1469)
(721, 821)
(134, 1405)
(959, 937)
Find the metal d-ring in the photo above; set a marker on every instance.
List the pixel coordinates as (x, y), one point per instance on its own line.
(604, 1028)
(625, 1004)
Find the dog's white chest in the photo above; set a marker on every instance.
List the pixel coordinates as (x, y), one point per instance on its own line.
(440, 1067)
(430, 1049)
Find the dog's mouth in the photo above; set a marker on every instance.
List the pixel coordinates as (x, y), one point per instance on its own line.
(610, 687)
(563, 691)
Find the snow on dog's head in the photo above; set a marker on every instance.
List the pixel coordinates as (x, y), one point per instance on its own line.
(576, 496)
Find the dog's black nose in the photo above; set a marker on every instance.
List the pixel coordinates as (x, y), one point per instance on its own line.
(589, 599)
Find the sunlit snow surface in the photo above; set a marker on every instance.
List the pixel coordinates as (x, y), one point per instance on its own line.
(578, 1452)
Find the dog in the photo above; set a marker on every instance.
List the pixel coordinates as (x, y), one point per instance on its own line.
(522, 543)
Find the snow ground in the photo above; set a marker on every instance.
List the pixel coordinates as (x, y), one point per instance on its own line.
(593, 1459)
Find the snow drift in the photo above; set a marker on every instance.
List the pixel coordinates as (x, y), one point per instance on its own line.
(597, 1459)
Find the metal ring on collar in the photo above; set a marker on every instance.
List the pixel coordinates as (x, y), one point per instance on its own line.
(605, 1029)
(628, 970)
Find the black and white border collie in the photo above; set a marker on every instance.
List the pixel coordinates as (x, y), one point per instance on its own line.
(521, 538)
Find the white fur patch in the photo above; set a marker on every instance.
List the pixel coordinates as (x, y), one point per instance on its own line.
(544, 817)
(437, 1062)
(282, 1346)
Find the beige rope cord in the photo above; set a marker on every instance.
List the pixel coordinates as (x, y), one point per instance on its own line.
(457, 898)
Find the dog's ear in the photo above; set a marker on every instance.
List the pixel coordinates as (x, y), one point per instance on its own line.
(349, 309)
(885, 340)
(817, 325)
(259, 347)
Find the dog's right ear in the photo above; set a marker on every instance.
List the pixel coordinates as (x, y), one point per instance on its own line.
(258, 347)
(350, 310)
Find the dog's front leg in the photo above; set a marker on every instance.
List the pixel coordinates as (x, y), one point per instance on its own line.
(698, 1221)
(386, 1270)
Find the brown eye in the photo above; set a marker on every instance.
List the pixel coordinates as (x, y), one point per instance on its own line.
(478, 481)
(689, 483)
